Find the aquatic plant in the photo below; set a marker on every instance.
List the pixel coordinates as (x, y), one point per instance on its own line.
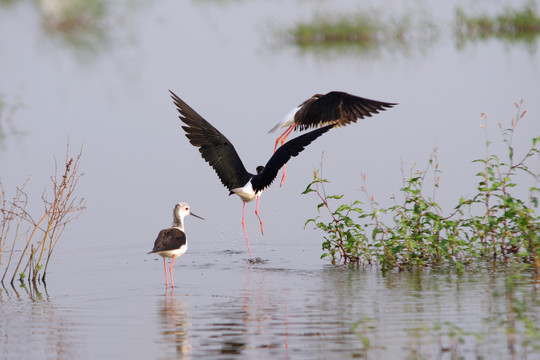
(361, 29)
(370, 30)
(511, 24)
(79, 24)
(493, 224)
(366, 30)
(41, 234)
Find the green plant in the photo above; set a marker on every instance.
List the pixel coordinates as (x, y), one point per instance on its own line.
(363, 30)
(506, 224)
(493, 224)
(511, 25)
(345, 241)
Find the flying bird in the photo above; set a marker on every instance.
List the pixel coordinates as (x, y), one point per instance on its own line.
(336, 107)
(172, 242)
(220, 154)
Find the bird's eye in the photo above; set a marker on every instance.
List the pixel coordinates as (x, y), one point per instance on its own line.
(186, 209)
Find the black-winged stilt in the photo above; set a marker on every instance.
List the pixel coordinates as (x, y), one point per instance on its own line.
(172, 242)
(336, 107)
(219, 152)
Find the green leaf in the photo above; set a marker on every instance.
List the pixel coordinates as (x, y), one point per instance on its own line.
(308, 189)
(335, 197)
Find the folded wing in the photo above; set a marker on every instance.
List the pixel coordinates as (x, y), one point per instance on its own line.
(169, 239)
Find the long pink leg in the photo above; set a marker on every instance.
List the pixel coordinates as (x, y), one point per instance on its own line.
(282, 138)
(170, 270)
(283, 177)
(166, 279)
(257, 213)
(244, 225)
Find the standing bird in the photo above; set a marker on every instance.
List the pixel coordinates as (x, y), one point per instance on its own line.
(172, 242)
(336, 107)
(219, 152)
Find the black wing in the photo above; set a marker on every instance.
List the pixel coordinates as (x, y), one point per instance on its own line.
(282, 155)
(169, 239)
(214, 147)
(336, 107)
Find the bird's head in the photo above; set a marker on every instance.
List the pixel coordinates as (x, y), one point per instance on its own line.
(260, 169)
(181, 210)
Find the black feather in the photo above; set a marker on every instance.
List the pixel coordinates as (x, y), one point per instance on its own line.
(282, 155)
(214, 147)
(338, 108)
(169, 239)
(218, 151)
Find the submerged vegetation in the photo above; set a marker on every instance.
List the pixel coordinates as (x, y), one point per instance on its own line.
(78, 23)
(369, 30)
(363, 30)
(492, 225)
(38, 236)
(512, 25)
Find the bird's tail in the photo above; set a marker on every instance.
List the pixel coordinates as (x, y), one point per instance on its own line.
(275, 128)
(288, 120)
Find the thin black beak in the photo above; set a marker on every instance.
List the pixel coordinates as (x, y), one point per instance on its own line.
(197, 216)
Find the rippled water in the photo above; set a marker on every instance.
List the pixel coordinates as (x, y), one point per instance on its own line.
(105, 89)
(286, 305)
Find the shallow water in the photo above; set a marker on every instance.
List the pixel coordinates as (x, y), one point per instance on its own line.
(106, 90)
(288, 305)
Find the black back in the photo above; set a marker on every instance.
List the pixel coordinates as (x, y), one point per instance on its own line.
(283, 154)
(338, 108)
(169, 239)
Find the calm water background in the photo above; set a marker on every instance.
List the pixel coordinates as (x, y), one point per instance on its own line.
(106, 91)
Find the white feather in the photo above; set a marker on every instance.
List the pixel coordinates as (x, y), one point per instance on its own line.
(288, 120)
(175, 252)
(246, 193)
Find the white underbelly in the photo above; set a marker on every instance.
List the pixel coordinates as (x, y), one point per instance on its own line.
(175, 252)
(246, 193)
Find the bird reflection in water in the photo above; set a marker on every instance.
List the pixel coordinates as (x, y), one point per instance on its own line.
(257, 320)
(175, 320)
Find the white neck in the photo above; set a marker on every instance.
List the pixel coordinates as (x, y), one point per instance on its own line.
(178, 222)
